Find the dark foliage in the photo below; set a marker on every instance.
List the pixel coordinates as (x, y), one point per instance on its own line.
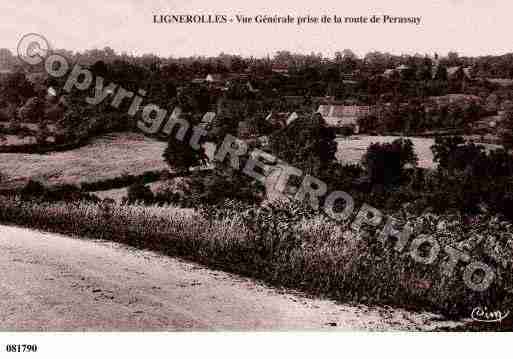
(307, 143)
(35, 191)
(139, 193)
(385, 161)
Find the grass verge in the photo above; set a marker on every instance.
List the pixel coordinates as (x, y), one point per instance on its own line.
(307, 253)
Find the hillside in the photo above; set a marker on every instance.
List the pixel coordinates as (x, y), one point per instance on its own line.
(105, 157)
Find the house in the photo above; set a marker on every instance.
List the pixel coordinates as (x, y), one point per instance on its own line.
(402, 68)
(53, 93)
(458, 73)
(237, 77)
(399, 70)
(349, 76)
(389, 73)
(214, 79)
(344, 116)
(280, 69)
(250, 87)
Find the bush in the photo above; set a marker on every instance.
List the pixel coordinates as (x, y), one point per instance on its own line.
(385, 161)
(124, 180)
(469, 178)
(307, 143)
(180, 155)
(443, 148)
(139, 193)
(345, 131)
(35, 191)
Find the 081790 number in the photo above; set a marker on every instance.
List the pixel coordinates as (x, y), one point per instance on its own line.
(21, 348)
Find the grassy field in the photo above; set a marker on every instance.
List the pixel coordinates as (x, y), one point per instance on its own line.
(352, 149)
(115, 154)
(106, 157)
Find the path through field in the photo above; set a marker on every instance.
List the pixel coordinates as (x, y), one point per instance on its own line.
(56, 283)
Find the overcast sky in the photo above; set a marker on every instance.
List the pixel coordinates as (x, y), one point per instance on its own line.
(470, 27)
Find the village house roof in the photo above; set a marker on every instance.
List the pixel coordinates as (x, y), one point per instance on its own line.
(282, 69)
(52, 92)
(342, 115)
(453, 71)
(214, 78)
(390, 72)
(237, 76)
(397, 70)
(250, 87)
(341, 111)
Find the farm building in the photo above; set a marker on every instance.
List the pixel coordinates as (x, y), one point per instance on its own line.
(344, 116)
(214, 78)
(459, 73)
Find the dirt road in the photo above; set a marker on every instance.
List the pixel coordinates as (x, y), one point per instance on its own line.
(55, 283)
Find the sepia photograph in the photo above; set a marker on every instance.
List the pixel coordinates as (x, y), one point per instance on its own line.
(259, 167)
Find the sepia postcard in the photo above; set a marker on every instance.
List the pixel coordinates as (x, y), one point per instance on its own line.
(281, 167)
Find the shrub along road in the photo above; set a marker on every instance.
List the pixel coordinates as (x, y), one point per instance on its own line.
(52, 282)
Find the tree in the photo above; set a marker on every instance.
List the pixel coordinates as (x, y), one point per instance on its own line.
(15, 88)
(179, 154)
(307, 143)
(99, 68)
(453, 59)
(443, 148)
(507, 124)
(385, 161)
(7, 59)
(72, 125)
(33, 110)
(139, 192)
(440, 73)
